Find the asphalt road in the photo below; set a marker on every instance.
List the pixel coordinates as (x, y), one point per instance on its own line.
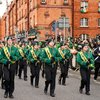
(24, 91)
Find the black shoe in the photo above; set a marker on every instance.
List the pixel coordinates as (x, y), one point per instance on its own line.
(11, 96)
(64, 84)
(81, 91)
(31, 84)
(59, 82)
(5, 95)
(36, 86)
(45, 91)
(52, 95)
(95, 78)
(3, 87)
(87, 93)
(20, 78)
(67, 76)
(31, 80)
(25, 79)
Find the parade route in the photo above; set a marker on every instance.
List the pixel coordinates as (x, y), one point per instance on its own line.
(24, 91)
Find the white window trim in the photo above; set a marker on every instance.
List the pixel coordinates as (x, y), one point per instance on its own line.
(43, 1)
(65, 1)
(83, 22)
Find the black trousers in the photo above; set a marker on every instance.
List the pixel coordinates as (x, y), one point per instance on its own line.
(23, 67)
(97, 67)
(1, 72)
(9, 77)
(1, 76)
(85, 79)
(35, 73)
(64, 71)
(16, 67)
(50, 75)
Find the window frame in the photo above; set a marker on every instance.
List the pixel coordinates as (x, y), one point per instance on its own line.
(84, 22)
(84, 6)
(43, 1)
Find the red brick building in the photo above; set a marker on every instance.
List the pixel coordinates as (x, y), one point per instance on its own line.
(38, 14)
(86, 18)
(2, 27)
(44, 12)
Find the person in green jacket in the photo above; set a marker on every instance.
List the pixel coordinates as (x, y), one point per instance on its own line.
(50, 57)
(0, 61)
(9, 57)
(22, 61)
(64, 63)
(35, 62)
(86, 61)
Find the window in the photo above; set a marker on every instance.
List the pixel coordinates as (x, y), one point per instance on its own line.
(84, 22)
(65, 2)
(99, 22)
(99, 7)
(84, 36)
(43, 1)
(84, 6)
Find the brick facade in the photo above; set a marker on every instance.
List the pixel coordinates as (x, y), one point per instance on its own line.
(2, 27)
(26, 14)
(92, 15)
